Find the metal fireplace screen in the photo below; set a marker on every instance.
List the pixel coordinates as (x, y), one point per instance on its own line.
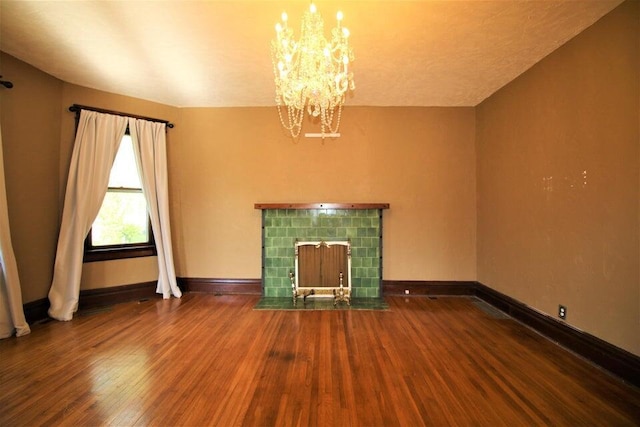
(322, 269)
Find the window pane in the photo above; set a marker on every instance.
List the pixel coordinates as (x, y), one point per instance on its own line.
(123, 219)
(124, 172)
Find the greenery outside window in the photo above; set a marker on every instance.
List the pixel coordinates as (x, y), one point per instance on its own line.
(122, 228)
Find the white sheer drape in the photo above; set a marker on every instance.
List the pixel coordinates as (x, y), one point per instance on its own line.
(97, 141)
(11, 311)
(150, 147)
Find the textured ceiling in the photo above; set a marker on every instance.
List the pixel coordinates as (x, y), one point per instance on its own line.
(216, 53)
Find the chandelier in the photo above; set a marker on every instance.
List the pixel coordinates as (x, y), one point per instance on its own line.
(311, 74)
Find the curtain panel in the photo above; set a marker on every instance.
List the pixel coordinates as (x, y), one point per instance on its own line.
(12, 318)
(150, 148)
(97, 140)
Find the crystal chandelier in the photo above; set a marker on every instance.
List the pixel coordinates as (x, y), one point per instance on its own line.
(311, 74)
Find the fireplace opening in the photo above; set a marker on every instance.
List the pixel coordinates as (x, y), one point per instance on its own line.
(322, 269)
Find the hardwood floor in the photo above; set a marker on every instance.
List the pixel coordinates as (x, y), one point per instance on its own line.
(213, 360)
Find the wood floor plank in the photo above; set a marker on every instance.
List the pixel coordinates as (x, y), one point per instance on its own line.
(214, 360)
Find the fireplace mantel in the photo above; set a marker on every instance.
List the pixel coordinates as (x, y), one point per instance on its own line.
(321, 206)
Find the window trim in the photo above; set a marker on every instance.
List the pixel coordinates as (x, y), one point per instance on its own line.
(121, 251)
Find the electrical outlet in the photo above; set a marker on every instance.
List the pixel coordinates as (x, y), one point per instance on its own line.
(562, 312)
(406, 291)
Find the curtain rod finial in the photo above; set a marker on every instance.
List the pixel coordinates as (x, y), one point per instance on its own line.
(6, 83)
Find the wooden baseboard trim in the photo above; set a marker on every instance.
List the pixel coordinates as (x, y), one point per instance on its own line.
(221, 286)
(36, 311)
(614, 359)
(430, 287)
(101, 297)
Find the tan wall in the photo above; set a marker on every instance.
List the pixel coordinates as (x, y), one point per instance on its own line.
(30, 117)
(222, 161)
(558, 173)
(420, 160)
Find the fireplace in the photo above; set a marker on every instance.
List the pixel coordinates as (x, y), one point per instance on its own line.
(360, 224)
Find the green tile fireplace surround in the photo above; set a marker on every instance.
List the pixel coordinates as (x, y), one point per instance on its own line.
(360, 223)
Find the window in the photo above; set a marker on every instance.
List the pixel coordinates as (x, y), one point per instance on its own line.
(122, 228)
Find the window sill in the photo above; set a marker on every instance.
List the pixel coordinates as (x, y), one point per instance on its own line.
(106, 254)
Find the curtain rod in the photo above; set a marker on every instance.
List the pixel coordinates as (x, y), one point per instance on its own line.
(76, 109)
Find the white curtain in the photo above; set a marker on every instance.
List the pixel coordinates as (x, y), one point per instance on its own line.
(150, 147)
(97, 140)
(11, 311)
